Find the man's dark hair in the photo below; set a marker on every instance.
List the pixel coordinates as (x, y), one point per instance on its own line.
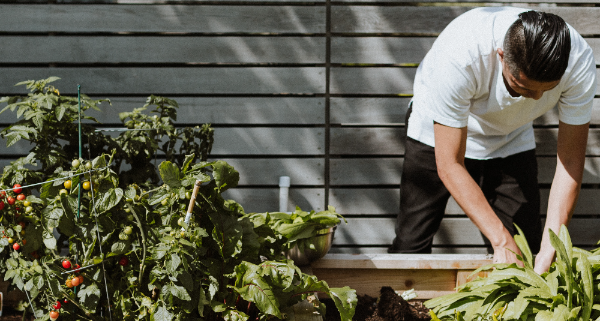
(538, 44)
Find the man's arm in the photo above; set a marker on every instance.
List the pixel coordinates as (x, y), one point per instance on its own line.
(571, 146)
(450, 147)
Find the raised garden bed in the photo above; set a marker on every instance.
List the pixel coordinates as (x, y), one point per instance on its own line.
(430, 275)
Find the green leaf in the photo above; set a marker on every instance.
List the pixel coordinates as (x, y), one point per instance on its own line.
(345, 300)
(225, 175)
(161, 314)
(169, 173)
(180, 292)
(524, 247)
(108, 200)
(173, 263)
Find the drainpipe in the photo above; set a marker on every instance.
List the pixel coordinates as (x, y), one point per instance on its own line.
(284, 191)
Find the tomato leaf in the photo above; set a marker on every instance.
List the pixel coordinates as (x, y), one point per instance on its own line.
(169, 173)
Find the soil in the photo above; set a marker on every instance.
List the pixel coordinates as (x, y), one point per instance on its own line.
(389, 307)
(10, 314)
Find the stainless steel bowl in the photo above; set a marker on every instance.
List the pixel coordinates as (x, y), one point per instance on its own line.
(322, 242)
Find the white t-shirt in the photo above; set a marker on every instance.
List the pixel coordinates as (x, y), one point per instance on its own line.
(459, 83)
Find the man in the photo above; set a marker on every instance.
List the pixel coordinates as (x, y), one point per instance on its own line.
(488, 75)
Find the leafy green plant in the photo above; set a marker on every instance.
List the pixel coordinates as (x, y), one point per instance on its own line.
(283, 231)
(568, 291)
(131, 254)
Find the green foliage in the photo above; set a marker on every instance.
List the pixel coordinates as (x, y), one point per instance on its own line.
(282, 231)
(139, 259)
(566, 292)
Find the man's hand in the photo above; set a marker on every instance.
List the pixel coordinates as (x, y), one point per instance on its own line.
(503, 254)
(543, 261)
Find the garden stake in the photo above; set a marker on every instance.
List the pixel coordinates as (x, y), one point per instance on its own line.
(30, 303)
(188, 215)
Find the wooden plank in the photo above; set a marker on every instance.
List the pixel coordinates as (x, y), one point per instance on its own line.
(391, 111)
(390, 141)
(174, 49)
(367, 141)
(387, 171)
(171, 18)
(241, 141)
(379, 50)
(372, 80)
(170, 81)
(453, 231)
(267, 199)
(386, 201)
(543, 3)
(382, 249)
(376, 80)
(266, 171)
(427, 283)
(395, 50)
(432, 20)
(214, 110)
(368, 111)
(402, 261)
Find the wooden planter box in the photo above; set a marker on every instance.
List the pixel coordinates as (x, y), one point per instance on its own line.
(431, 275)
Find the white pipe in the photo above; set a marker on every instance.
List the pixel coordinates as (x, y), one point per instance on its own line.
(284, 191)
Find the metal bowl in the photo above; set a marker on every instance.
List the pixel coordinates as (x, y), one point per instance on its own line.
(322, 242)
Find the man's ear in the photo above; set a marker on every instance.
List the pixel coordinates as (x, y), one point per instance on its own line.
(500, 53)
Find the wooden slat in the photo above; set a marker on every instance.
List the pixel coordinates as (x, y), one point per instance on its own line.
(456, 231)
(380, 80)
(174, 49)
(384, 248)
(387, 171)
(395, 50)
(376, 80)
(241, 141)
(257, 171)
(258, 200)
(386, 201)
(169, 81)
(162, 18)
(379, 50)
(390, 141)
(433, 19)
(427, 283)
(392, 111)
(214, 110)
(402, 261)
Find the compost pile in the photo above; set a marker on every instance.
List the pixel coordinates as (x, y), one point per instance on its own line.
(389, 307)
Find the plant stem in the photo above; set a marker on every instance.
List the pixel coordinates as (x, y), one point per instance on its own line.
(143, 235)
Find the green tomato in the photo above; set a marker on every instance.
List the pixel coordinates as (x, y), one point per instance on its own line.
(28, 209)
(88, 165)
(188, 195)
(123, 237)
(130, 217)
(164, 202)
(181, 221)
(127, 210)
(128, 230)
(75, 163)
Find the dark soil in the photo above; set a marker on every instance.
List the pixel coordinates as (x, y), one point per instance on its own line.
(10, 314)
(389, 307)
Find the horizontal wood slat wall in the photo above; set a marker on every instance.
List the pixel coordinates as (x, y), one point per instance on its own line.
(315, 90)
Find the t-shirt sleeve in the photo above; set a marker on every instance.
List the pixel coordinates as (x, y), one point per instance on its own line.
(451, 87)
(575, 104)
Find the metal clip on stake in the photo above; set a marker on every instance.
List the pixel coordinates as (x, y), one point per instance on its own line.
(188, 215)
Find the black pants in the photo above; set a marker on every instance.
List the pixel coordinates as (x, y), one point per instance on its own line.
(509, 184)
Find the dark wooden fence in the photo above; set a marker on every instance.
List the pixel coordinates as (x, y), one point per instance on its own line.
(314, 90)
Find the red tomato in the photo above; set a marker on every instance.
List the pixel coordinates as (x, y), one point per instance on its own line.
(75, 281)
(17, 188)
(53, 315)
(57, 305)
(1, 205)
(124, 261)
(66, 264)
(2, 194)
(10, 200)
(20, 197)
(16, 246)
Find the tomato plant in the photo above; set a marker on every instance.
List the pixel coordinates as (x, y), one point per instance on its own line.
(166, 270)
